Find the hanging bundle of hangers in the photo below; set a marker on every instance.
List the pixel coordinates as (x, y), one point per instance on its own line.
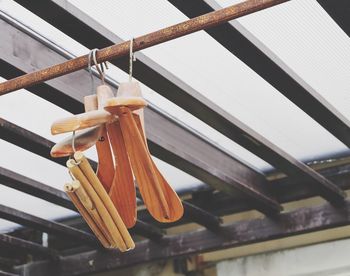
(107, 199)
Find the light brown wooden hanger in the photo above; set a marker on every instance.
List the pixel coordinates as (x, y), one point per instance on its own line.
(105, 168)
(81, 121)
(160, 199)
(83, 140)
(122, 192)
(175, 204)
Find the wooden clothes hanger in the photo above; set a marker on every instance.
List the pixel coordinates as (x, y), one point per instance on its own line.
(161, 200)
(122, 190)
(159, 197)
(90, 195)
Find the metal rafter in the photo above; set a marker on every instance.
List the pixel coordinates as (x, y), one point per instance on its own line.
(44, 225)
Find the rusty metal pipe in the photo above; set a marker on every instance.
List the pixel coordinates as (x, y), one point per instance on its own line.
(122, 49)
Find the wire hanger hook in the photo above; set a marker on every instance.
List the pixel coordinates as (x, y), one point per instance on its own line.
(132, 58)
(99, 67)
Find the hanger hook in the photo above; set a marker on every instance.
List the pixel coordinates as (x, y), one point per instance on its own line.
(90, 72)
(132, 58)
(99, 67)
(73, 141)
(74, 149)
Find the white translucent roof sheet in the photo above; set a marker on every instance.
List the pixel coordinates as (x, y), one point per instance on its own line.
(306, 38)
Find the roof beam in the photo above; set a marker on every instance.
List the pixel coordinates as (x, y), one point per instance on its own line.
(3, 273)
(339, 10)
(34, 188)
(301, 221)
(180, 147)
(44, 225)
(147, 230)
(45, 192)
(23, 246)
(202, 217)
(84, 29)
(285, 190)
(192, 213)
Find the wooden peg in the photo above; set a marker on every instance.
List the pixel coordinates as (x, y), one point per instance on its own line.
(87, 171)
(90, 207)
(70, 189)
(118, 240)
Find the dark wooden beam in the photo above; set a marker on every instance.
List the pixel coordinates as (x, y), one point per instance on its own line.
(180, 147)
(9, 262)
(339, 10)
(147, 230)
(202, 217)
(240, 233)
(32, 187)
(192, 213)
(26, 247)
(221, 204)
(3, 273)
(285, 190)
(44, 225)
(91, 34)
(45, 192)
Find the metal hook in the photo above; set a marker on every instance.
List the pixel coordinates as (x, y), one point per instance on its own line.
(99, 69)
(74, 149)
(131, 58)
(73, 141)
(90, 71)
